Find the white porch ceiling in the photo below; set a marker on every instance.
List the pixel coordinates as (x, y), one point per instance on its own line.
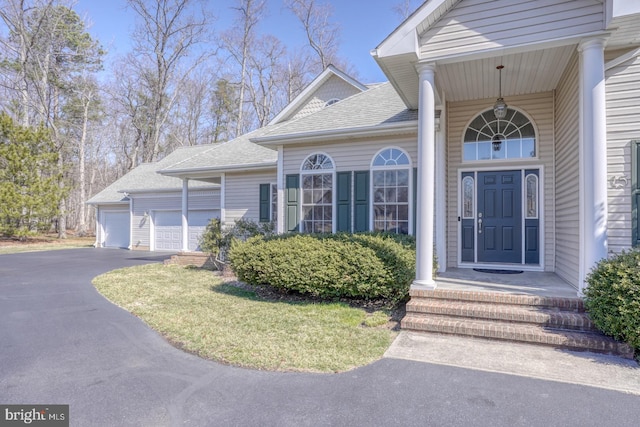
(527, 72)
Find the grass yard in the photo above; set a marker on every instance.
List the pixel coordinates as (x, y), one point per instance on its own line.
(196, 311)
(43, 243)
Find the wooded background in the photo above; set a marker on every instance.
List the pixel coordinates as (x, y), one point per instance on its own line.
(184, 82)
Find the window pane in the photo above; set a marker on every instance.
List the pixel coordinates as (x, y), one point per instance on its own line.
(378, 178)
(468, 197)
(307, 181)
(513, 149)
(378, 195)
(390, 178)
(469, 151)
(390, 195)
(403, 195)
(326, 197)
(528, 148)
(484, 150)
(532, 196)
(403, 177)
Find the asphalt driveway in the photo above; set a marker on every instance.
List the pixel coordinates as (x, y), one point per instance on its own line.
(61, 342)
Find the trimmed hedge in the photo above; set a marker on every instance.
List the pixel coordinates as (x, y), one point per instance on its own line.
(339, 265)
(612, 298)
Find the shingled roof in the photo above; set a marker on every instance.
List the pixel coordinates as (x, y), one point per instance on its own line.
(145, 178)
(378, 107)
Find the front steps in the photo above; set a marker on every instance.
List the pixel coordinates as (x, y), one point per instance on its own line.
(552, 321)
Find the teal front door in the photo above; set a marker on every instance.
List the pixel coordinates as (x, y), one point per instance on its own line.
(499, 217)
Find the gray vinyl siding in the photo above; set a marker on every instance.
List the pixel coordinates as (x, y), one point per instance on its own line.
(334, 88)
(348, 156)
(477, 25)
(242, 194)
(537, 106)
(623, 126)
(568, 167)
(123, 207)
(147, 203)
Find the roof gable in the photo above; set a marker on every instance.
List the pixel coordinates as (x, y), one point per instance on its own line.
(331, 83)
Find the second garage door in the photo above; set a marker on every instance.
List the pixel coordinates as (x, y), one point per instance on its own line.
(168, 229)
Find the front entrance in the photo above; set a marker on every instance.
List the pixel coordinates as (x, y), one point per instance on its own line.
(500, 217)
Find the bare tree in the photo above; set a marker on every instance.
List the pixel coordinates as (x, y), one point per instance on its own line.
(165, 52)
(322, 34)
(265, 78)
(405, 8)
(238, 42)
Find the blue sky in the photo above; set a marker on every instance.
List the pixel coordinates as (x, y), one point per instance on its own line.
(364, 24)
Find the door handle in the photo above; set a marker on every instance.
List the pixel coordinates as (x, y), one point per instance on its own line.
(479, 222)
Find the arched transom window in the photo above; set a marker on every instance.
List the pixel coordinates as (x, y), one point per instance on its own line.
(390, 172)
(489, 138)
(317, 194)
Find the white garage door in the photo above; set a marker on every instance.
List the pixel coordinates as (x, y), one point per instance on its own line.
(198, 221)
(168, 230)
(116, 229)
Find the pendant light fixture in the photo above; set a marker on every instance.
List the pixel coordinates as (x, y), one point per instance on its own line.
(500, 107)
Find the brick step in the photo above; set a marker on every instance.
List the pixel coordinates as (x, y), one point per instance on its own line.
(532, 334)
(538, 315)
(560, 303)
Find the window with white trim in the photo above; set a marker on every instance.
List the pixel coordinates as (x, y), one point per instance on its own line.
(316, 177)
(390, 171)
(489, 138)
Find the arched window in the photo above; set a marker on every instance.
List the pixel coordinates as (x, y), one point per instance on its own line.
(317, 193)
(489, 138)
(390, 172)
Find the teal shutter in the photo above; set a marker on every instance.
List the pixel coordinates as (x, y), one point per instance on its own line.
(361, 201)
(265, 202)
(343, 186)
(635, 192)
(415, 200)
(292, 188)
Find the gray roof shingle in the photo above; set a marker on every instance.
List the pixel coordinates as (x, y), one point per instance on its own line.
(145, 178)
(378, 106)
(234, 154)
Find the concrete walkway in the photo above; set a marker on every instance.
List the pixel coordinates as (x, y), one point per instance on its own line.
(584, 368)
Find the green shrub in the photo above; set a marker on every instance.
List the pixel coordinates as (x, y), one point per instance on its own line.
(327, 266)
(217, 241)
(612, 298)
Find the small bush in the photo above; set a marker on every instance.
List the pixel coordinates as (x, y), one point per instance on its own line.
(327, 266)
(217, 241)
(612, 298)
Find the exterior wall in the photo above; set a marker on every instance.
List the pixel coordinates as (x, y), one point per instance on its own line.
(568, 169)
(334, 88)
(623, 126)
(475, 25)
(145, 203)
(242, 194)
(537, 106)
(348, 156)
(100, 209)
(355, 155)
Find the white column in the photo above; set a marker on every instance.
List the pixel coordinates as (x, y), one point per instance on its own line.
(223, 197)
(280, 184)
(441, 192)
(593, 156)
(426, 178)
(185, 215)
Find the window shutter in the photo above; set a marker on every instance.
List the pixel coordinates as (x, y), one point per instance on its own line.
(361, 201)
(292, 188)
(635, 192)
(265, 202)
(415, 200)
(343, 186)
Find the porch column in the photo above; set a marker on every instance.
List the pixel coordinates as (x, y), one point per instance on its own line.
(185, 215)
(426, 178)
(593, 156)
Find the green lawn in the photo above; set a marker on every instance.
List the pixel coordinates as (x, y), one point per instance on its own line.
(196, 311)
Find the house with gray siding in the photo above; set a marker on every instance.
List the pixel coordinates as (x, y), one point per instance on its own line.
(507, 136)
